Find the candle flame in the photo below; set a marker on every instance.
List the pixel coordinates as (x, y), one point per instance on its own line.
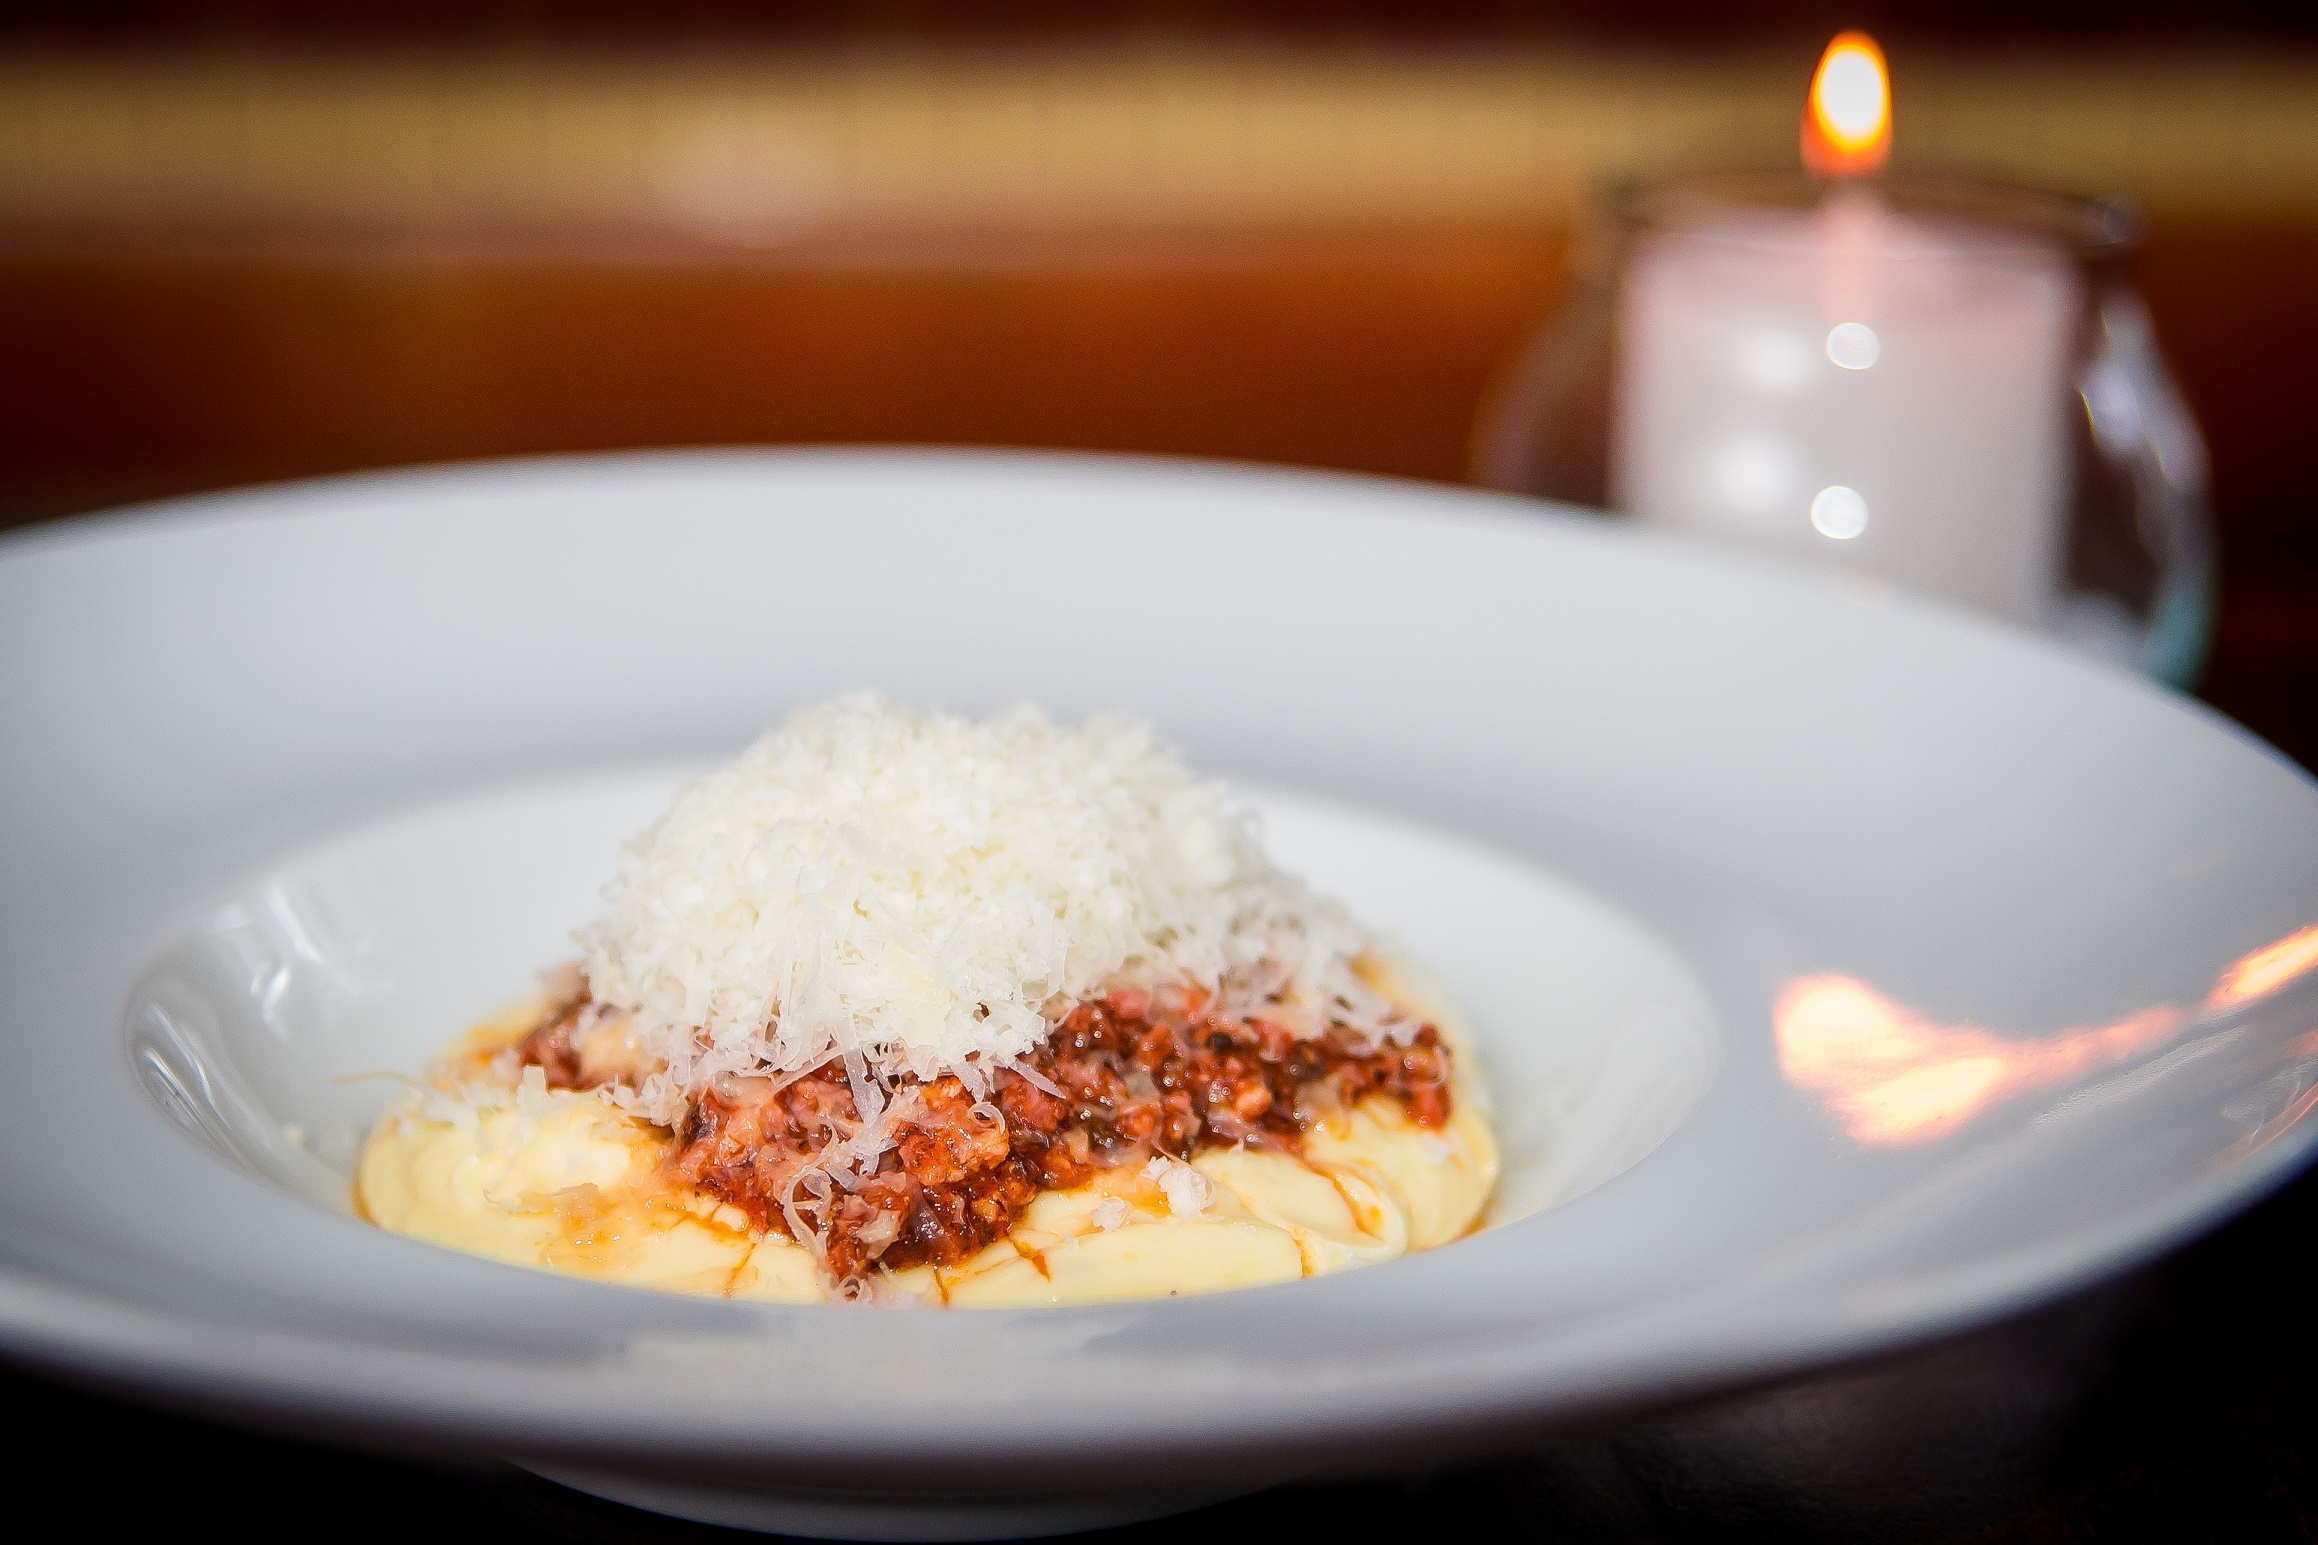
(1892, 1076)
(1847, 120)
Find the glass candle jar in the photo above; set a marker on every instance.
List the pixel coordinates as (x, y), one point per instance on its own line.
(1943, 384)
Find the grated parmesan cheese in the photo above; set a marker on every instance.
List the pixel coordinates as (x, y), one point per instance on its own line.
(1187, 1191)
(915, 893)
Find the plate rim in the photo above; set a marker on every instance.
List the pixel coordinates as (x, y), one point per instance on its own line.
(2035, 1275)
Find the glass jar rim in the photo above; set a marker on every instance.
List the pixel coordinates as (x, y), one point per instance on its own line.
(1699, 204)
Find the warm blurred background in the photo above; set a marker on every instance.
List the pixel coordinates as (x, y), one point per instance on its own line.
(253, 239)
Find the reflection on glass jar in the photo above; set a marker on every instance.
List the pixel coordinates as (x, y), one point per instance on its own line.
(1947, 384)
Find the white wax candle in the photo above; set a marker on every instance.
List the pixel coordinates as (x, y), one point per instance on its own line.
(1883, 392)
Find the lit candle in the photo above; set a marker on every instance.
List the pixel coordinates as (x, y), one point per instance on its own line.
(1848, 384)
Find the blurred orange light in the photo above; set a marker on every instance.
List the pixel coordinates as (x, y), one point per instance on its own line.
(2266, 969)
(1895, 1077)
(1847, 120)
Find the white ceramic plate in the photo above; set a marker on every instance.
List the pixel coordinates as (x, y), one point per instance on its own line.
(1846, 969)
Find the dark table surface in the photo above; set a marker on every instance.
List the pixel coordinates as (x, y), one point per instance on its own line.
(2180, 1403)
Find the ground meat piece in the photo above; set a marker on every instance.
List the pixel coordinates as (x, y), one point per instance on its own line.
(578, 1048)
(549, 1045)
(1140, 1077)
(952, 1182)
(1137, 1073)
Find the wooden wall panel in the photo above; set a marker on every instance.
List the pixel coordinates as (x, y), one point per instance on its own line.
(1365, 354)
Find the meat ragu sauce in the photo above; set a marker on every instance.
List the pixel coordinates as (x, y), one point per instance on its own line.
(1139, 1074)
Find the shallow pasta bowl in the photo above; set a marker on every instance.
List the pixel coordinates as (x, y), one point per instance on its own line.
(1846, 970)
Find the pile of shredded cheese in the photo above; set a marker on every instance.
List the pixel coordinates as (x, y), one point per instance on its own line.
(915, 893)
